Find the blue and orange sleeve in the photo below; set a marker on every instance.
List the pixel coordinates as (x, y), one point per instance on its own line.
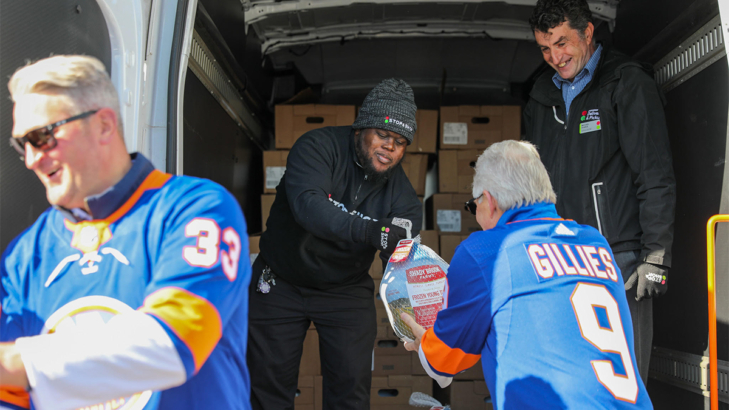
(200, 276)
(455, 342)
(10, 329)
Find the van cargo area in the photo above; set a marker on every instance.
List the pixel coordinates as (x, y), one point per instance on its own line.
(226, 98)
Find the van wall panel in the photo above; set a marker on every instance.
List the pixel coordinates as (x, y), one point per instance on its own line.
(697, 119)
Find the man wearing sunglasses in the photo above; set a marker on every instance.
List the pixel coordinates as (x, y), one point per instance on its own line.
(537, 298)
(134, 281)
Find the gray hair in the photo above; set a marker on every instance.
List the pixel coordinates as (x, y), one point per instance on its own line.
(514, 175)
(82, 79)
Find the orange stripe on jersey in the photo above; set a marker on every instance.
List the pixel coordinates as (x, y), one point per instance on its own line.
(539, 219)
(193, 319)
(156, 179)
(443, 358)
(15, 396)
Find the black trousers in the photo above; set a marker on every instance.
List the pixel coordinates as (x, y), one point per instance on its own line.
(345, 320)
(640, 312)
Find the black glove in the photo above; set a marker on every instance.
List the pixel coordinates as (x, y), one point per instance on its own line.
(384, 234)
(651, 279)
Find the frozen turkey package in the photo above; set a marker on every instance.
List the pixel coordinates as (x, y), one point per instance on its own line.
(414, 282)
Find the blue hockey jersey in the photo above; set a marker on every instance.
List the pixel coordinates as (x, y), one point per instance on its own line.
(541, 302)
(143, 307)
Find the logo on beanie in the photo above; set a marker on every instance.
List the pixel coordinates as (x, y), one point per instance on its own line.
(398, 122)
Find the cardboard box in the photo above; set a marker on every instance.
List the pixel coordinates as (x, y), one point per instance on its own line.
(266, 203)
(376, 268)
(388, 365)
(382, 319)
(417, 368)
(390, 345)
(455, 170)
(396, 390)
(477, 127)
(274, 166)
(253, 248)
(470, 395)
(431, 240)
(475, 372)
(426, 135)
(292, 121)
(310, 363)
(304, 392)
(447, 214)
(415, 167)
(448, 245)
(309, 393)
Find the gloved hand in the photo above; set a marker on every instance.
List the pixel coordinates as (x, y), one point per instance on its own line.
(384, 234)
(651, 280)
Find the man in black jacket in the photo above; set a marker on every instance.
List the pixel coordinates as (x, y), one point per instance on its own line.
(601, 132)
(343, 197)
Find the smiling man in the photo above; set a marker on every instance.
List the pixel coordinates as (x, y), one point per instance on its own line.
(130, 291)
(599, 125)
(344, 196)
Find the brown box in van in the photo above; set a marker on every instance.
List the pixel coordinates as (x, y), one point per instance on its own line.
(309, 393)
(448, 245)
(392, 365)
(455, 170)
(470, 395)
(415, 167)
(426, 135)
(447, 214)
(253, 249)
(274, 165)
(396, 390)
(478, 126)
(292, 121)
(266, 203)
(310, 364)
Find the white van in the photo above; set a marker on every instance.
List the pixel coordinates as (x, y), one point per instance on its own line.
(199, 79)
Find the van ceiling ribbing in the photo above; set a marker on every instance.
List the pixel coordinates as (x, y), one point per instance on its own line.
(281, 24)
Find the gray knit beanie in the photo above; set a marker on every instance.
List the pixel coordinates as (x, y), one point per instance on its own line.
(389, 106)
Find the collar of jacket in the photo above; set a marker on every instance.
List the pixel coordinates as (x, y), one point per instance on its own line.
(105, 203)
(540, 210)
(609, 69)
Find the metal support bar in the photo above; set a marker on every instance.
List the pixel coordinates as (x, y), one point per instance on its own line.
(711, 285)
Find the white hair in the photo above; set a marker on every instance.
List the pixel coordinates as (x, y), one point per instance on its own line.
(82, 79)
(514, 175)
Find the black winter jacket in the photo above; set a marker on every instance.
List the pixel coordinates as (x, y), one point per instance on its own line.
(315, 234)
(610, 162)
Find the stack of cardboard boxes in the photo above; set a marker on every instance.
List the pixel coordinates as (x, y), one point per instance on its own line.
(465, 132)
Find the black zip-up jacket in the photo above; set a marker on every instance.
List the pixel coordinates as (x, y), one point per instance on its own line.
(617, 174)
(315, 234)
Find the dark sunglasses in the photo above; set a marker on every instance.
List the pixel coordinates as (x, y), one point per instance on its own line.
(471, 204)
(42, 138)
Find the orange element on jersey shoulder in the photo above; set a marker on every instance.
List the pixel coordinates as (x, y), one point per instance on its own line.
(192, 318)
(15, 396)
(539, 219)
(443, 358)
(88, 236)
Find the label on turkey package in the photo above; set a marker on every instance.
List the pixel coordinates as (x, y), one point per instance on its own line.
(425, 286)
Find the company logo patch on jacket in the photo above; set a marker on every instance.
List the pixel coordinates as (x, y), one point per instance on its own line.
(592, 124)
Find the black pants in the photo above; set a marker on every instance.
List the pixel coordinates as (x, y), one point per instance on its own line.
(640, 312)
(345, 320)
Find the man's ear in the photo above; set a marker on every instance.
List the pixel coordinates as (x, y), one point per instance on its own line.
(490, 202)
(108, 125)
(589, 32)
